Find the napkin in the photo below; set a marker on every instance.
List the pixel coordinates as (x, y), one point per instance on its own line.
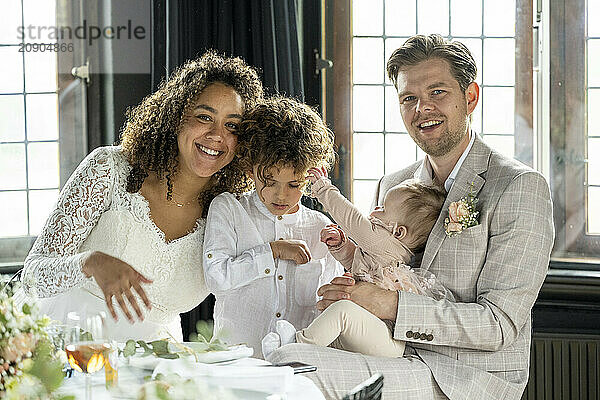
(261, 378)
(148, 362)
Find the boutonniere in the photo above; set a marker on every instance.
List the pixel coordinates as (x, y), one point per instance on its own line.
(461, 214)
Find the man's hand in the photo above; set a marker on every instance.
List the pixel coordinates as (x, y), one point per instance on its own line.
(116, 278)
(291, 249)
(332, 236)
(380, 302)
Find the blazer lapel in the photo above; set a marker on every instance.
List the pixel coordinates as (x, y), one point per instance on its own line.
(468, 180)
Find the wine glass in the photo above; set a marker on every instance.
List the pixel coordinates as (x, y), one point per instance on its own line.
(87, 344)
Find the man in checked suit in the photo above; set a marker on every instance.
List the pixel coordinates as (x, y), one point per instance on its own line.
(476, 347)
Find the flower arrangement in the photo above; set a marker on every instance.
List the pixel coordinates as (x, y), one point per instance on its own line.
(29, 366)
(461, 215)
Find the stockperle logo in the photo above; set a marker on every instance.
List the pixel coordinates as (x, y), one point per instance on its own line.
(88, 32)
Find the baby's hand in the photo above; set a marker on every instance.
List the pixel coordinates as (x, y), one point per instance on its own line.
(314, 174)
(332, 236)
(295, 250)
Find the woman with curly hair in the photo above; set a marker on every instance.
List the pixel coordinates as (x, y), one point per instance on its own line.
(262, 256)
(129, 224)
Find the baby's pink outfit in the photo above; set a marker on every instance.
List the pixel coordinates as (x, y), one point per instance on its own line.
(376, 256)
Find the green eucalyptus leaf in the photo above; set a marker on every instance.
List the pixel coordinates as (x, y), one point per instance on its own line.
(201, 339)
(147, 353)
(218, 347)
(129, 348)
(205, 330)
(147, 349)
(201, 347)
(143, 344)
(160, 347)
(169, 356)
(86, 336)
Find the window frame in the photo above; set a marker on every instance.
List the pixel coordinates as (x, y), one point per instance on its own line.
(565, 128)
(72, 128)
(568, 136)
(14, 248)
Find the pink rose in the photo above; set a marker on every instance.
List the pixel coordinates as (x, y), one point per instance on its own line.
(457, 210)
(454, 227)
(18, 346)
(452, 211)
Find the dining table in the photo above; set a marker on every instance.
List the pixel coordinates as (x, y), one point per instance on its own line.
(244, 378)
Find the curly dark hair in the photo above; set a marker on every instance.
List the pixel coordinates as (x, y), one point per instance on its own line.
(149, 137)
(282, 131)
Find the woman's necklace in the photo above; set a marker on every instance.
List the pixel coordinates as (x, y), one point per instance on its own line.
(171, 193)
(186, 203)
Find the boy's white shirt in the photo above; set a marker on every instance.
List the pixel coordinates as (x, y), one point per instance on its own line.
(239, 267)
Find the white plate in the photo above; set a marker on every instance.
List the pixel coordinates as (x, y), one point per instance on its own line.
(210, 357)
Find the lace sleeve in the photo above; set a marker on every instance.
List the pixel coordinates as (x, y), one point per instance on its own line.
(53, 265)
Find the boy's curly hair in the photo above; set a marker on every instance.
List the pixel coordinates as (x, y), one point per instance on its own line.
(149, 137)
(283, 132)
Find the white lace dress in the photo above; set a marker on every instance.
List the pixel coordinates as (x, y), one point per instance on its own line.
(95, 213)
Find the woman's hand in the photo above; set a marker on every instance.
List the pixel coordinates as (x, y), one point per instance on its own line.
(116, 278)
(291, 249)
(332, 236)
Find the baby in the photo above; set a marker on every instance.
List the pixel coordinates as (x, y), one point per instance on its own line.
(382, 244)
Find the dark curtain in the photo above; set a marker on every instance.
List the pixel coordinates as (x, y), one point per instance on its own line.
(262, 32)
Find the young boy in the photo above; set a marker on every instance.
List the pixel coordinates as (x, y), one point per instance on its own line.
(262, 256)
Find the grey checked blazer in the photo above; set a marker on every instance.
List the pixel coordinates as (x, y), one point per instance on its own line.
(495, 270)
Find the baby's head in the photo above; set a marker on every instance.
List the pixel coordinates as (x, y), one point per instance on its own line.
(411, 209)
(279, 140)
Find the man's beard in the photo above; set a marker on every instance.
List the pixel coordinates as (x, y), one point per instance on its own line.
(448, 141)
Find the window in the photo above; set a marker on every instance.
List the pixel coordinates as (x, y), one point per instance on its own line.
(574, 83)
(537, 104)
(486, 27)
(593, 118)
(42, 129)
(29, 150)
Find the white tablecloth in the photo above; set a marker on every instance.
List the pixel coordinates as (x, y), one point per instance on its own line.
(130, 380)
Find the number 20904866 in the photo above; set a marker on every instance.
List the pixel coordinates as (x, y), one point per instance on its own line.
(45, 47)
